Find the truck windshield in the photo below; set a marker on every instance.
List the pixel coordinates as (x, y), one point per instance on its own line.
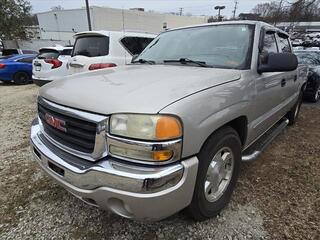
(223, 46)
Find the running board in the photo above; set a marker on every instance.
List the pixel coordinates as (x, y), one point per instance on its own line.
(252, 153)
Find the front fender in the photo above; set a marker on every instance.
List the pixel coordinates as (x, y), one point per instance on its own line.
(206, 111)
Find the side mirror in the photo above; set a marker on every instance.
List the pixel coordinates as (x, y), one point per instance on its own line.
(134, 57)
(278, 62)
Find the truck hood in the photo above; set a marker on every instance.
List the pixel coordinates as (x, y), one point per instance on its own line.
(134, 88)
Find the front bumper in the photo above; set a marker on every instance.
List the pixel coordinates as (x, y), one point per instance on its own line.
(144, 193)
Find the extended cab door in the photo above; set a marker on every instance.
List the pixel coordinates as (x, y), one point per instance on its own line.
(269, 88)
(291, 87)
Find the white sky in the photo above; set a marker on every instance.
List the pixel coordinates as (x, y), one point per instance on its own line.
(195, 7)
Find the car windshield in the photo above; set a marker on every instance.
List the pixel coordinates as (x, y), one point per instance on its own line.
(224, 46)
(92, 46)
(308, 57)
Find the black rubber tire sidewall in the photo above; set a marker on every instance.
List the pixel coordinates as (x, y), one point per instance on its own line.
(200, 208)
(17, 78)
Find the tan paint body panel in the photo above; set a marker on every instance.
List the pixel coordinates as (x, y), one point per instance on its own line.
(134, 88)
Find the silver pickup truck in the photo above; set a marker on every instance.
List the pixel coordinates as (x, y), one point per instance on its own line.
(170, 130)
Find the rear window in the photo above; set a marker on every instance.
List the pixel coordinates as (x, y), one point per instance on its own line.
(48, 54)
(135, 45)
(91, 46)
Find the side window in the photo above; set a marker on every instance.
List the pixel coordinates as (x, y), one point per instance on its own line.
(26, 60)
(284, 45)
(131, 44)
(66, 52)
(145, 42)
(269, 43)
(135, 45)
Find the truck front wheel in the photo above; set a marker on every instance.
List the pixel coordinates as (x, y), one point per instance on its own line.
(219, 164)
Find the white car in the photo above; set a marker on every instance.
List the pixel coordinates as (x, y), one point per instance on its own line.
(50, 64)
(102, 49)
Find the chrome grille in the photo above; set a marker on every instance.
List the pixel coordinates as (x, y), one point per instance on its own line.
(79, 135)
(82, 133)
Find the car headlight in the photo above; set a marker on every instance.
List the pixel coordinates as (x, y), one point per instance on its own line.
(145, 127)
(142, 137)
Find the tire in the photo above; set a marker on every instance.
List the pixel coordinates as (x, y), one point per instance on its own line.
(316, 95)
(21, 78)
(208, 203)
(293, 114)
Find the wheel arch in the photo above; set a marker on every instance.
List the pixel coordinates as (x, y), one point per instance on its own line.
(239, 124)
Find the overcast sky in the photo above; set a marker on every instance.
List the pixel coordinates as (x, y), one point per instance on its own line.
(195, 7)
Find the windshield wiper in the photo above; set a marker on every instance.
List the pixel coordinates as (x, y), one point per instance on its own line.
(187, 60)
(141, 60)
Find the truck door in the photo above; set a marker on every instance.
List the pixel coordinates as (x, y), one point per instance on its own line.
(269, 87)
(290, 90)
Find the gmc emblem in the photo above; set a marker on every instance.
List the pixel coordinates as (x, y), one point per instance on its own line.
(55, 122)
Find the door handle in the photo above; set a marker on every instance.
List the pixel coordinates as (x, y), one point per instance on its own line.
(283, 82)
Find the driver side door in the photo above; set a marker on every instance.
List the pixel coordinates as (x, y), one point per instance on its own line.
(269, 89)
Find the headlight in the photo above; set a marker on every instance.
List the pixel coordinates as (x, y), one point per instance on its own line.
(145, 127)
(149, 138)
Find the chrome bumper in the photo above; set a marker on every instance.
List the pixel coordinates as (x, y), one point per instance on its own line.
(145, 193)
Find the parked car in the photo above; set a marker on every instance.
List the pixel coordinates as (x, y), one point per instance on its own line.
(14, 51)
(16, 68)
(297, 42)
(311, 58)
(103, 49)
(50, 64)
(170, 130)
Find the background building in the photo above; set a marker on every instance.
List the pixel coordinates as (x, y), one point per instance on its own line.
(63, 24)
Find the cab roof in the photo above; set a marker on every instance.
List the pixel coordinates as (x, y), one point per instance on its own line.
(247, 22)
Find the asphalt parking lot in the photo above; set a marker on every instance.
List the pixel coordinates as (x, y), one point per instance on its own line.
(277, 197)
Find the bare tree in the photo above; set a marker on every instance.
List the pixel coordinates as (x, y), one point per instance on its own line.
(285, 10)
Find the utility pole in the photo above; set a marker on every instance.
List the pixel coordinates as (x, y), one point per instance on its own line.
(235, 8)
(219, 8)
(88, 15)
(180, 11)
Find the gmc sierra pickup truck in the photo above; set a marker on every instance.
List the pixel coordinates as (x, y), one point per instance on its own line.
(170, 130)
